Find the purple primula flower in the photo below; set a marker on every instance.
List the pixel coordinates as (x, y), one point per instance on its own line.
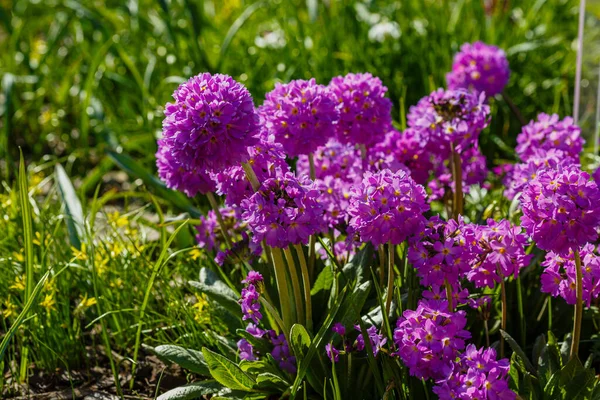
(559, 276)
(480, 67)
(500, 252)
(450, 117)
(250, 304)
(364, 111)
(246, 350)
(255, 331)
(266, 159)
(561, 209)
(334, 159)
(186, 179)
(253, 277)
(281, 353)
(429, 339)
(284, 211)
(332, 353)
(548, 132)
(477, 374)
(339, 329)
(387, 207)
(377, 340)
(210, 124)
(300, 115)
(209, 235)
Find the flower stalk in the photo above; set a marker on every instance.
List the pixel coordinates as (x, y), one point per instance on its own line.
(390, 287)
(504, 316)
(293, 273)
(307, 286)
(215, 207)
(457, 177)
(578, 306)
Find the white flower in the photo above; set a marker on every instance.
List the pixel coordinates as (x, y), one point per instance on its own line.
(384, 30)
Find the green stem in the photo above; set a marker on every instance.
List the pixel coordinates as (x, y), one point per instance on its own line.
(251, 176)
(300, 316)
(449, 295)
(390, 287)
(215, 207)
(457, 177)
(549, 312)
(503, 324)
(578, 306)
(307, 286)
(381, 251)
(521, 313)
(284, 297)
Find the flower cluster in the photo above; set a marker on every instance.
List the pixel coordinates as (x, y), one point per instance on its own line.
(430, 338)
(267, 159)
(210, 124)
(387, 207)
(548, 132)
(559, 275)
(284, 211)
(474, 172)
(334, 159)
(209, 235)
(376, 339)
(480, 67)
(410, 148)
(249, 298)
(300, 115)
(476, 375)
(499, 249)
(450, 117)
(441, 253)
(561, 209)
(364, 111)
(188, 180)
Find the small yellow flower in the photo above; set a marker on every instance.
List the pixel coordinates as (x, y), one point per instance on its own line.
(50, 286)
(9, 309)
(49, 303)
(19, 257)
(201, 315)
(195, 253)
(19, 283)
(86, 302)
(80, 255)
(38, 240)
(117, 220)
(117, 283)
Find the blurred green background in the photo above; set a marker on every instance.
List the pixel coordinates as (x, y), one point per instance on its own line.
(79, 77)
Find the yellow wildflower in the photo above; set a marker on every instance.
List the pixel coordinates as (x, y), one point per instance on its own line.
(49, 303)
(117, 220)
(19, 257)
(85, 302)
(196, 253)
(201, 314)
(80, 255)
(9, 309)
(19, 283)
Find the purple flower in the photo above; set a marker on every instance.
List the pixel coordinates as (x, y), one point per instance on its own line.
(558, 278)
(253, 278)
(548, 132)
(520, 174)
(376, 339)
(447, 117)
(339, 329)
(364, 111)
(267, 160)
(500, 252)
(284, 211)
(246, 350)
(387, 207)
(596, 176)
(477, 374)
(441, 253)
(209, 235)
(561, 209)
(241, 251)
(430, 338)
(300, 115)
(332, 353)
(210, 124)
(250, 304)
(334, 159)
(188, 180)
(281, 353)
(480, 67)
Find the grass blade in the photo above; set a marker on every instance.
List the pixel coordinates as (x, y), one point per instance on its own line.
(27, 227)
(75, 221)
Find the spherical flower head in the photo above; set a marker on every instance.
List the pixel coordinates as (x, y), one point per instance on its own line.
(561, 209)
(364, 111)
(179, 177)
(441, 253)
(429, 339)
(480, 67)
(334, 198)
(559, 276)
(210, 124)
(520, 174)
(448, 117)
(477, 374)
(549, 132)
(341, 161)
(500, 252)
(266, 159)
(387, 207)
(284, 211)
(300, 115)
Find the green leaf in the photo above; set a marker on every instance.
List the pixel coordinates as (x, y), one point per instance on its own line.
(268, 380)
(194, 391)
(324, 281)
(74, 218)
(300, 341)
(127, 164)
(352, 306)
(517, 349)
(189, 359)
(227, 372)
(217, 291)
(576, 382)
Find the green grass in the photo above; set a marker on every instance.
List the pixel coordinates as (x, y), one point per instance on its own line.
(83, 78)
